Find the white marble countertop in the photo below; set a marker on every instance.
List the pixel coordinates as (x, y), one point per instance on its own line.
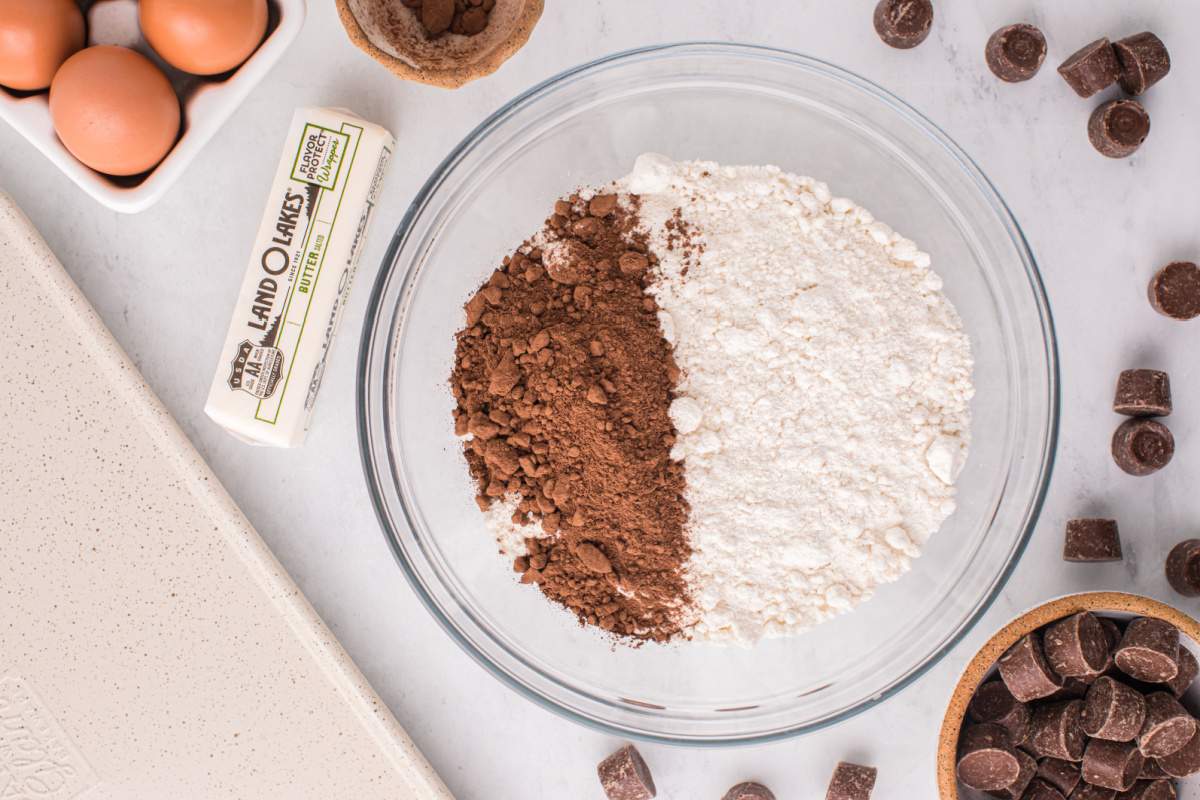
(1098, 227)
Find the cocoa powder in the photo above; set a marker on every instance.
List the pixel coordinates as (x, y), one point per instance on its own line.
(563, 381)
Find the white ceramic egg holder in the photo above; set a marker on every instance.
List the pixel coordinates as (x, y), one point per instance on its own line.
(206, 105)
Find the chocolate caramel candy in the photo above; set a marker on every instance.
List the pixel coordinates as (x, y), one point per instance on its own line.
(1168, 726)
(1143, 393)
(1025, 671)
(993, 702)
(1086, 791)
(1150, 790)
(1091, 68)
(1144, 61)
(1056, 730)
(1076, 646)
(903, 24)
(1063, 775)
(1091, 540)
(1187, 672)
(1015, 52)
(1142, 446)
(1183, 762)
(1175, 290)
(1149, 650)
(1117, 128)
(625, 776)
(749, 791)
(853, 782)
(1113, 711)
(986, 759)
(1113, 765)
(1183, 567)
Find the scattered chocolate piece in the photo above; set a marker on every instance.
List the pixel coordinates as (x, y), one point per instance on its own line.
(1167, 728)
(1148, 650)
(1056, 730)
(1118, 128)
(1175, 290)
(1025, 670)
(1076, 646)
(1063, 775)
(1086, 791)
(1188, 668)
(1016, 790)
(1089, 540)
(1113, 711)
(1150, 790)
(1015, 52)
(1143, 393)
(1113, 765)
(993, 702)
(1091, 68)
(854, 781)
(1144, 61)
(986, 760)
(903, 24)
(1041, 790)
(749, 791)
(1142, 446)
(1183, 762)
(1183, 567)
(625, 776)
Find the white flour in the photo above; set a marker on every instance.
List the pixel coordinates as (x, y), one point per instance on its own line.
(824, 404)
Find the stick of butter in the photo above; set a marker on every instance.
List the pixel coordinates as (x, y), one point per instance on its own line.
(299, 277)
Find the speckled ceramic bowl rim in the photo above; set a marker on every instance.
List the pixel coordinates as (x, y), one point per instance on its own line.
(1007, 636)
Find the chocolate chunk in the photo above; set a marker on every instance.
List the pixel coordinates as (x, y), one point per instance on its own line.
(1091, 68)
(1016, 790)
(1183, 762)
(1056, 730)
(1113, 765)
(1118, 128)
(749, 791)
(1144, 61)
(1041, 790)
(903, 24)
(852, 782)
(1150, 790)
(1143, 393)
(1113, 711)
(1148, 650)
(1063, 775)
(993, 702)
(1183, 567)
(1167, 728)
(1175, 290)
(1015, 52)
(986, 759)
(1092, 540)
(1086, 791)
(1142, 446)
(1076, 646)
(625, 776)
(1025, 670)
(1187, 672)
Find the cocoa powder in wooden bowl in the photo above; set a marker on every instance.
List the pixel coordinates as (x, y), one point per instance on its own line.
(983, 665)
(444, 43)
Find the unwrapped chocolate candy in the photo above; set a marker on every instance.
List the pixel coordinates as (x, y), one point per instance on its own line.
(1089, 540)
(1025, 670)
(903, 24)
(1113, 711)
(853, 781)
(1117, 128)
(749, 791)
(1091, 68)
(993, 702)
(625, 776)
(1113, 765)
(1148, 650)
(1174, 290)
(1142, 446)
(1143, 393)
(1144, 61)
(1056, 730)
(1064, 775)
(1076, 647)
(1015, 52)
(1167, 727)
(1183, 567)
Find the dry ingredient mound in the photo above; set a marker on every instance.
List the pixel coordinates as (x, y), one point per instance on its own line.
(564, 381)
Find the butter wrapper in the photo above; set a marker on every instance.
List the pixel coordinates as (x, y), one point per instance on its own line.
(299, 277)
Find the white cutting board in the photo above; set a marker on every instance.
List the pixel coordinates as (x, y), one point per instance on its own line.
(151, 647)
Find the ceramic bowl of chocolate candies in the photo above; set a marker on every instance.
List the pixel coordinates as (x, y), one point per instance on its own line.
(1087, 697)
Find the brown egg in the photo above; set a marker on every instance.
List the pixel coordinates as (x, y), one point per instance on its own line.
(204, 37)
(36, 37)
(114, 110)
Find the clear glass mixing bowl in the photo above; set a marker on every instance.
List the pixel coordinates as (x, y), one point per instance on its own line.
(738, 105)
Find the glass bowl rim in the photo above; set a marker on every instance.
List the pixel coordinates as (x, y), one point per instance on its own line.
(374, 312)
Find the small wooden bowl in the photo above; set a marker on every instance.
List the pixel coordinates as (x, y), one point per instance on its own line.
(979, 668)
(448, 61)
